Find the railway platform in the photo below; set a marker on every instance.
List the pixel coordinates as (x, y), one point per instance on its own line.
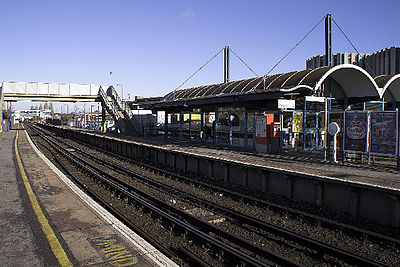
(47, 221)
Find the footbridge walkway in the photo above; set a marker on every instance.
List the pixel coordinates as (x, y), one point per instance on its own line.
(68, 92)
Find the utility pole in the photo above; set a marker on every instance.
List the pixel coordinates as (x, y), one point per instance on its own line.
(226, 64)
(328, 40)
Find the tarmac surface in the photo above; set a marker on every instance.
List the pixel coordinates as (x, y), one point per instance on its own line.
(18, 245)
(86, 234)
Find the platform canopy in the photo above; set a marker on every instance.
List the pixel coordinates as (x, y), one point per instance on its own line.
(35, 91)
(346, 80)
(390, 85)
(341, 82)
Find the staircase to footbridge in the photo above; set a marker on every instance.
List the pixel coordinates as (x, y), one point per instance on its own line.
(67, 92)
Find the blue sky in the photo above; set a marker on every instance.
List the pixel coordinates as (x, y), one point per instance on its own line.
(153, 46)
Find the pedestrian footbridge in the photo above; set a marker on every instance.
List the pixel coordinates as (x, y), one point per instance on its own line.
(68, 92)
(35, 91)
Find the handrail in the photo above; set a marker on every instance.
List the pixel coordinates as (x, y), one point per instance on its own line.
(121, 104)
(112, 110)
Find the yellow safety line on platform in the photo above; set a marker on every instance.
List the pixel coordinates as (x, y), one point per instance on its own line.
(48, 231)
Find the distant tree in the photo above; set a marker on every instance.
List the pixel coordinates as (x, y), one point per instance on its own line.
(46, 106)
(51, 107)
(32, 107)
(36, 107)
(40, 107)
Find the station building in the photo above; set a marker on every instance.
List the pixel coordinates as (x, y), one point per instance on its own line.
(22, 115)
(298, 105)
(383, 62)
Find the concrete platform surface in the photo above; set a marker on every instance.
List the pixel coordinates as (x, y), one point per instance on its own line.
(18, 245)
(88, 234)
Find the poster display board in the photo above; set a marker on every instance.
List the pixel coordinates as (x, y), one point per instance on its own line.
(356, 131)
(264, 128)
(261, 126)
(194, 118)
(383, 133)
(297, 122)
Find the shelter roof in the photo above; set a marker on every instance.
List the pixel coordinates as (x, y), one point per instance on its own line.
(344, 82)
(390, 86)
(353, 80)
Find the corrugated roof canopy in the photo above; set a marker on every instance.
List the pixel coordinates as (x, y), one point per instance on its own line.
(348, 81)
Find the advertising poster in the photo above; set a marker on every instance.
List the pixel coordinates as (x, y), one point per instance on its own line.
(194, 118)
(297, 122)
(261, 126)
(356, 130)
(383, 133)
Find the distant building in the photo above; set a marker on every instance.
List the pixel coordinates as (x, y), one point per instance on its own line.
(383, 62)
(29, 114)
(337, 59)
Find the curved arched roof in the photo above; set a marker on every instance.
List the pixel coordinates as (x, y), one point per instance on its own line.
(390, 85)
(349, 81)
(353, 80)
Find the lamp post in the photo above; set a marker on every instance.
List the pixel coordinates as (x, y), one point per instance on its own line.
(8, 107)
(91, 116)
(98, 122)
(76, 118)
(67, 114)
(122, 91)
(84, 115)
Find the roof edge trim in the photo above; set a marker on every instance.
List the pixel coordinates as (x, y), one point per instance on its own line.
(348, 66)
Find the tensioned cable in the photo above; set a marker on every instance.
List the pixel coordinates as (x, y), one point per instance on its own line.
(353, 46)
(244, 62)
(301, 40)
(198, 70)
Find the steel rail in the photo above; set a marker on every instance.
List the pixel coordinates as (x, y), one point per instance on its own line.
(247, 198)
(194, 220)
(239, 217)
(311, 243)
(243, 257)
(117, 214)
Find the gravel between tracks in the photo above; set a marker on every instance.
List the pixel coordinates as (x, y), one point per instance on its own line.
(362, 245)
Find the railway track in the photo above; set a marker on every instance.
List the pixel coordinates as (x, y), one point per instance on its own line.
(252, 225)
(246, 197)
(192, 228)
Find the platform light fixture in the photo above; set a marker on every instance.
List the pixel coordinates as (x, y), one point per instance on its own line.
(109, 80)
(122, 90)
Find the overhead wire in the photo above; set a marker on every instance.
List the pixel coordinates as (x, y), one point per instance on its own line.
(290, 51)
(297, 44)
(243, 62)
(198, 70)
(348, 39)
(287, 54)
